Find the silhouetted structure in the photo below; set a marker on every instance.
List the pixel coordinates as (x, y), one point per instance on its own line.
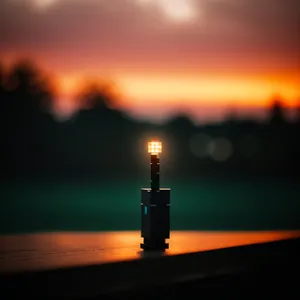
(155, 206)
(100, 140)
(298, 113)
(277, 116)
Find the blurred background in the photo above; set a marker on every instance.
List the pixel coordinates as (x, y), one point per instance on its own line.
(84, 85)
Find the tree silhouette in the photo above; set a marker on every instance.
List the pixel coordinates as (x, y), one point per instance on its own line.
(100, 134)
(277, 116)
(99, 95)
(29, 87)
(2, 79)
(180, 123)
(298, 112)
(28, 94)
(4, 131)
(102, 140)
(232, 115)
(98, 105)
(3, 98)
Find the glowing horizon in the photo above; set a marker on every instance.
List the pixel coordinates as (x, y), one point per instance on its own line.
(165, 56)
(193, 89)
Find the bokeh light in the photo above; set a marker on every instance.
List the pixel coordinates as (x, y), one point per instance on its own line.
(220, 149)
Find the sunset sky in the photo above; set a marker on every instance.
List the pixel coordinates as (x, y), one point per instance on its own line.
(197, 56)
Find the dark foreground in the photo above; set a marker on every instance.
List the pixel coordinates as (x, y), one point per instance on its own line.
(269, 266)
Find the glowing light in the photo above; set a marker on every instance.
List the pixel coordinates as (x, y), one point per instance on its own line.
(176, 10)
(154, 147)
(220, 149)
(43, 4)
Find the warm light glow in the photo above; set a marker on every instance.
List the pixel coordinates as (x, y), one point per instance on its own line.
(176, 10)
(154, 147)
(44, 4)
(192, 88)
(44, 251)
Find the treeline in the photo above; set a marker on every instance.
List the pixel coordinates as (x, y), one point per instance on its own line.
(102, 141)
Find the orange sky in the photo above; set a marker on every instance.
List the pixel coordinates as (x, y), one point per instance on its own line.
(202, 57)
(147, 93)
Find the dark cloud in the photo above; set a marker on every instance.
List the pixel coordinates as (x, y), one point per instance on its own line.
(122, 29)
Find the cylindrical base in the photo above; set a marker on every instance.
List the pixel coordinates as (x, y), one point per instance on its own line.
(151, 244)
(155, 213)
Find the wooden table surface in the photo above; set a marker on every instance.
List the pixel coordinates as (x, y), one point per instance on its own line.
(42, 251)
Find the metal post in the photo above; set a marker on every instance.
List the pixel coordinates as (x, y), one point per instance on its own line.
(154, 172)
(155, 207)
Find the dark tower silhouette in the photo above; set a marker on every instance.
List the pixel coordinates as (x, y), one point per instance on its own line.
(155, 206)
(2, 79)
(277, 112)
(298, 112)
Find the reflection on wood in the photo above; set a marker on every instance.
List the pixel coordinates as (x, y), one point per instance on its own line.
(57, 250)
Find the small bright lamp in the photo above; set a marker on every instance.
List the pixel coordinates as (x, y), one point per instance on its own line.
(155, 205)
(154, 147)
